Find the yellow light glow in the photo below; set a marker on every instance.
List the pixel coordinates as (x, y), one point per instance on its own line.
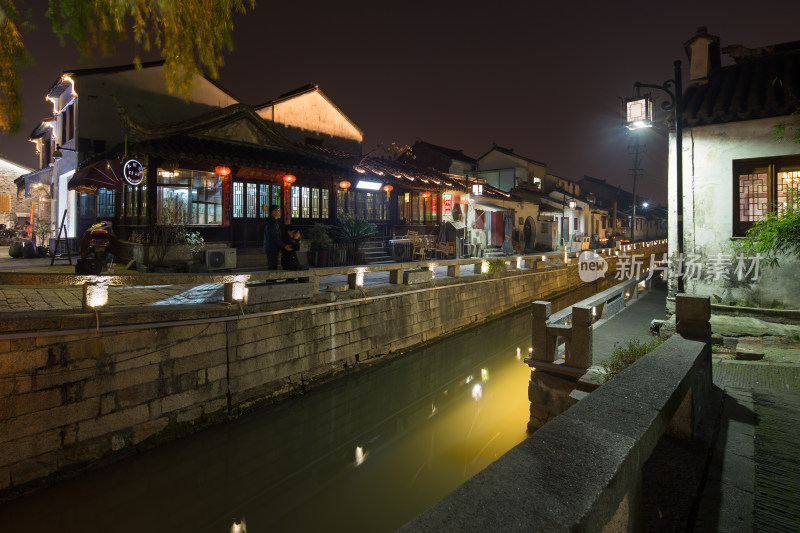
(96, 295)
(360, 455)
(477, 392)
(72, 82)
(484, 374)
(239, 527)
(484, 267)
(239, 291)
(54, 102)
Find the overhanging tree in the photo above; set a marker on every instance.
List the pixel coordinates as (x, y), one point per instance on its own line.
(191, 34)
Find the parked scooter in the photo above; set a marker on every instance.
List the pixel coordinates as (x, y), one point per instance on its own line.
(99, 246)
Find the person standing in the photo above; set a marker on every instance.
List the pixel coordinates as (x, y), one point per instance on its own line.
(273, 243)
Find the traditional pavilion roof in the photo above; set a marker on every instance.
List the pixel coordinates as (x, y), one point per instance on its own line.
(763, 83)
(456, 155)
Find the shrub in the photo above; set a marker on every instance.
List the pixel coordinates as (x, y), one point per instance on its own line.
(624, 356)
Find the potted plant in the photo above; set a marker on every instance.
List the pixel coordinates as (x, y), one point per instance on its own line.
(354, 231)
(41, 231)
(320, 243)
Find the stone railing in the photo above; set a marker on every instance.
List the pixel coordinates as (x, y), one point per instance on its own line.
(582, 471)
(250, 287)
(574, 324)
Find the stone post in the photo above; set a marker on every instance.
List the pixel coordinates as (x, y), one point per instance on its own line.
(453, 270)
(542, 343)
(580, 353)
(396, 276)
(692, 315)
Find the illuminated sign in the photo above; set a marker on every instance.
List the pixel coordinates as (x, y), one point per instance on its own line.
(369, 185)
(133, 172)
(447, 204)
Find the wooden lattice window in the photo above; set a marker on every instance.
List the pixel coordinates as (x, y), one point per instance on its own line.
(762, 186)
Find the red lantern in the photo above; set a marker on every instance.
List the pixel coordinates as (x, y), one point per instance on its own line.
(388, 188)
(344, 184)
(288, 178)
(222, 170)
(426, 194)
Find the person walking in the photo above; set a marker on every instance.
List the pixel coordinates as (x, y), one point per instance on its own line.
(273, 242)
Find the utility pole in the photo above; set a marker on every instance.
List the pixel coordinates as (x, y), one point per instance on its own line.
(635, 149)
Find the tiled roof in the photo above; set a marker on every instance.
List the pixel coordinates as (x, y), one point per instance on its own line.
(456, 155)
(216, 151)
(510, 151)
(763, 83)
(409, 175)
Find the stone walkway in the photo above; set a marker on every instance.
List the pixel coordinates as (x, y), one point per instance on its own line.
(754, 476)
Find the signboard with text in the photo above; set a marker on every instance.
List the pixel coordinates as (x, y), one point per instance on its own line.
(447, 204)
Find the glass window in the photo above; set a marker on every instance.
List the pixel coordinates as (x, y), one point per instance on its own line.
(252, 200)
(763, 186)
(263, 199)
(306, 202)
(323, 204)
(315, 203)
(341, 202)
(295, 202)
(105, 203)
(193, 197)
(238, 199)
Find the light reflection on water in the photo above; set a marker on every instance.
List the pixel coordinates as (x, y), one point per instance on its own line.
(365, 453)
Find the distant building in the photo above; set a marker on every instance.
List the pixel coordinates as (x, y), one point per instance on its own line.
(504, 169)
(442, 159)
(734, 170)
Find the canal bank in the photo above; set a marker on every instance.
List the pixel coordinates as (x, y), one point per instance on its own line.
(81, 387)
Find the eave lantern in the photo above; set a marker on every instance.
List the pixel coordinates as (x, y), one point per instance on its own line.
(387, 189)
(289, 179)
(344, 184)
(573, 204)
(222, 170)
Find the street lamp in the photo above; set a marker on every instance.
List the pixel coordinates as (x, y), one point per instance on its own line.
(639, 114)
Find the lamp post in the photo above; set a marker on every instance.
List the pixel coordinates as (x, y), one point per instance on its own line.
(639, 114)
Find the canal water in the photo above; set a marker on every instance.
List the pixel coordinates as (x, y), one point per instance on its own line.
(367, 452)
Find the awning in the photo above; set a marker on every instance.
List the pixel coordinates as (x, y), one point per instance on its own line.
(486, 206)
(457, 224)
(28, 182)
(105, 174)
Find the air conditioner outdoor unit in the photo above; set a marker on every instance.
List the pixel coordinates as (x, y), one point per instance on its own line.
(221, 259)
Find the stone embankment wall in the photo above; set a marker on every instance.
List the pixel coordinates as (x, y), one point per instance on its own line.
(70, 399)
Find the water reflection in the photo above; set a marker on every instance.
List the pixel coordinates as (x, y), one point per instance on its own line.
(366, 453)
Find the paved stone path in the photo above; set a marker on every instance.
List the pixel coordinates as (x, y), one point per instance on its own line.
(754, 476)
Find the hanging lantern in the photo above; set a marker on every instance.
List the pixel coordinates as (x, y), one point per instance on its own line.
(388, 188)
(222, 170)
(288, 178)
(426, 194)
(344, 184)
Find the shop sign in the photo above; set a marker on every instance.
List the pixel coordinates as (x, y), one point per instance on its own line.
(133, 172)
(447, 204)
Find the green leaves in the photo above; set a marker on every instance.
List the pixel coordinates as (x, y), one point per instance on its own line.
(191, 34)
(624, 356)
(354, 230)
(778, 234)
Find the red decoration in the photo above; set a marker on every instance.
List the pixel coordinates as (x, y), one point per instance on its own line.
(388, 188)
(222, 170)
(288, 178)
(344, 184)
(426, 194)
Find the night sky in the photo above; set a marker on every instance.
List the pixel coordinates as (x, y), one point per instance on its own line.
(543, 78)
